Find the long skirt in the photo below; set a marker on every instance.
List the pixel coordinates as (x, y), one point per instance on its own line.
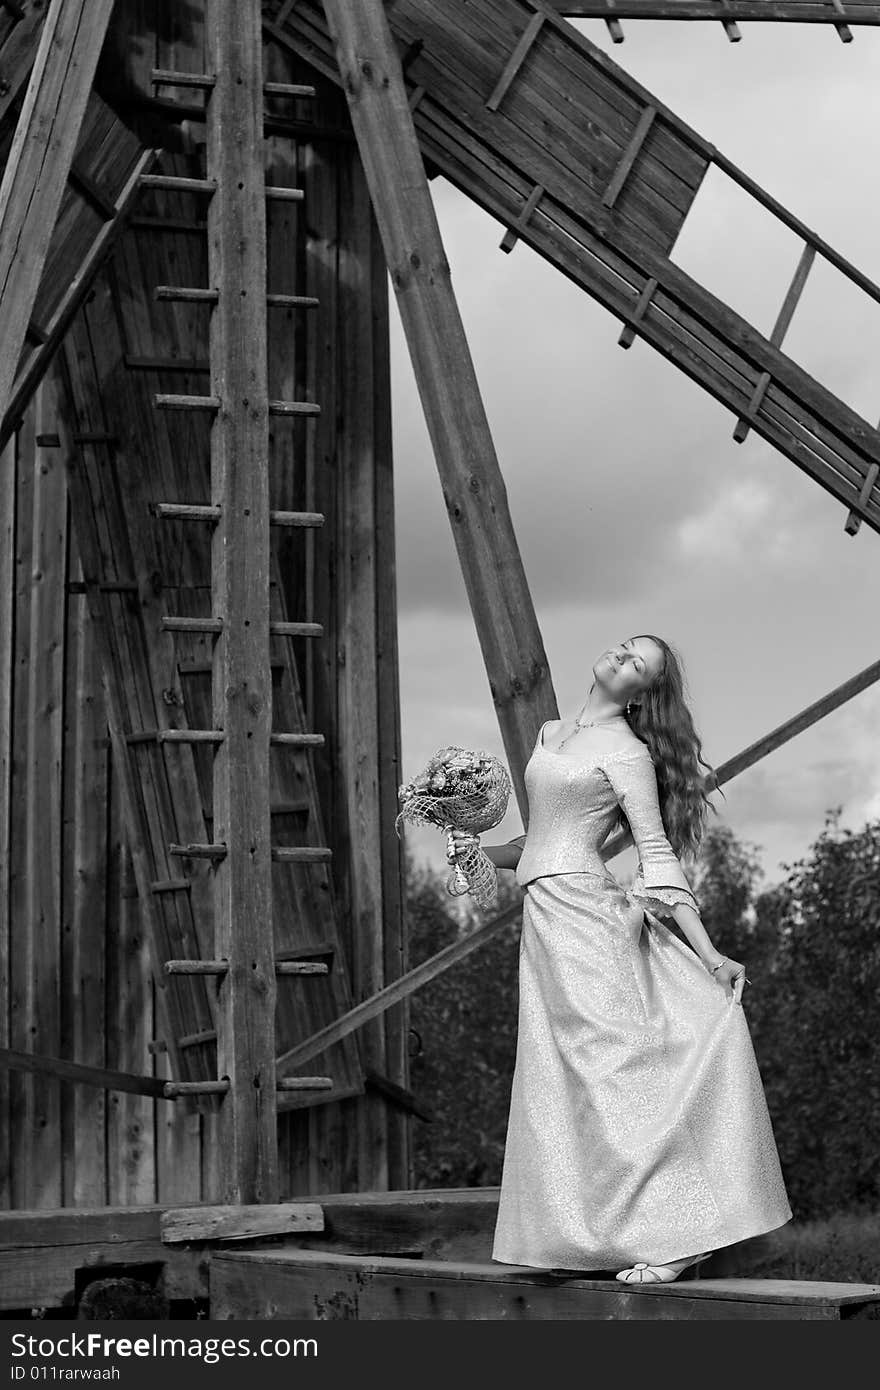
(638, 1124)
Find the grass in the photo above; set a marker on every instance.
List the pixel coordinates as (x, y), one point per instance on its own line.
(844, 1247)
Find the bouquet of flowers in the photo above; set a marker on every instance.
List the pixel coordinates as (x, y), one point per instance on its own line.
(460, 790)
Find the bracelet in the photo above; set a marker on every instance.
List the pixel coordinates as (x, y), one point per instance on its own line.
(723, 961)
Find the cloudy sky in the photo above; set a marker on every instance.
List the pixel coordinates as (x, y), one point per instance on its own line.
(634, 509)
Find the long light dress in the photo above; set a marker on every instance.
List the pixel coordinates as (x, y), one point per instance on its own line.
(638, 1125)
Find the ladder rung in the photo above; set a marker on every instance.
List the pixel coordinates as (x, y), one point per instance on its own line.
(296, 518)
(284, 195)
(48, 441)
(302, 854)
(118, 586)
(298, 740)
(195, 1088)
(186, 511)
(95, 437)
(199, 511)
(167, 224)
(206, 668)
(168, 77)
(304, 1083)
(171, 183)
(196, 967)
(290, 808)
(165, 364)
(853, 520)
(511, 236)
(615, 29)
(190, 736)
(221, 967)
(197, 1039)
(198, 851)
(628, 335)
(294, 408)
(197, 625)
(287, 89)
(186, 294)
(171, 885)
(296, 630)
(142, 736)
(516, 60)
(629, 157)
(292, 301)
(187, 402)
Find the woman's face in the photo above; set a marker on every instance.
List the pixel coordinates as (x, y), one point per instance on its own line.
(628, 668)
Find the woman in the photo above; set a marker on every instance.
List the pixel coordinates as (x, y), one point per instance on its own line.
(639, 1139)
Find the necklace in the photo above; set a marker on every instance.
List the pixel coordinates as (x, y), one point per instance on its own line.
(587, 724)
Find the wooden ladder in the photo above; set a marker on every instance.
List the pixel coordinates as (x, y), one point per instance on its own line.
(240, 852)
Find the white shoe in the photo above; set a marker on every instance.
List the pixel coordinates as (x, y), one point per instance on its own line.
(658, 1274)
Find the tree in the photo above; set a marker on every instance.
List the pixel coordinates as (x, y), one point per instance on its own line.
(815, 1027)
(464, 1028)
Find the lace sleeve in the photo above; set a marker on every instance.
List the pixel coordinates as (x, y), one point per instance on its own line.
(661, 883)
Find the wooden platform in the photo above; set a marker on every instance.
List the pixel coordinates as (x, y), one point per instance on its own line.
(309, 1285)
(380, 1255)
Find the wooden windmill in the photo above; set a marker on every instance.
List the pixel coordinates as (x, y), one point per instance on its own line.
(203, 966)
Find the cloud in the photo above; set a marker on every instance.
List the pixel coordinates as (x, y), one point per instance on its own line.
(633, 508)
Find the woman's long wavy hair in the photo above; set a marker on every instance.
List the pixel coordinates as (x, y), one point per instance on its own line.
(660, 717)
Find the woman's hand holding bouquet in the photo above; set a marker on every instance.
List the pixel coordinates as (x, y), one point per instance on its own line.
(461, 791)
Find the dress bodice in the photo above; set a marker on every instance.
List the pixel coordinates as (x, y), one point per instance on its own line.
(573, 801)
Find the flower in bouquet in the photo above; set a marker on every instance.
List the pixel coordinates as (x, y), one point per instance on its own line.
(460, 790)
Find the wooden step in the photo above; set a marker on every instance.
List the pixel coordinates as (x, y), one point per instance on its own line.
(311, 1285)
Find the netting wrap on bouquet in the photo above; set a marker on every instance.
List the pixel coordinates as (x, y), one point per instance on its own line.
(461, 790)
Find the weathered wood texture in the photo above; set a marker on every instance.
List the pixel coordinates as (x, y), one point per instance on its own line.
(113, 161)
(242, 680)
(313, 1286)
(504, 616)
(43, 1253)
(19, 40)
(119, 1147)
(40, 160)
(60, 901)
(240, 1222)
(764, 11)
(571, 147)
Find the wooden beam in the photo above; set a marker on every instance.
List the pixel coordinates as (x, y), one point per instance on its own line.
(88, 1076)
(240, 1222)
(780, 328)
(476, 500)
(242, 682)
(399, 990)
(19, 52)
(40, 161)
(497, 162)
(313, 1285)
(764, 11)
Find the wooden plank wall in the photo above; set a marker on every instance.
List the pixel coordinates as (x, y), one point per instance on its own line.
(74, 981)
(74, 967)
